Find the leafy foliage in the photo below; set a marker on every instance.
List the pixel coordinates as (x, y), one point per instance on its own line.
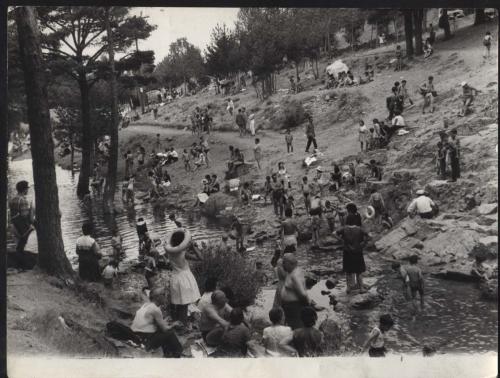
(230, 269)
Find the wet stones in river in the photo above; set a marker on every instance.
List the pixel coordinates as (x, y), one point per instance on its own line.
(366, 300)
(487, 208)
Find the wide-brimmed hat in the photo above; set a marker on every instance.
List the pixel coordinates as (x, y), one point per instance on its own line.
(420, 192)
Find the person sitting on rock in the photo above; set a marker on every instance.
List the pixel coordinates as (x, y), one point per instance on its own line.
(307, 340)
(422, 205)
(151, 328)
(277, 337)
(478, 270)
(468, 97)
(414, 283)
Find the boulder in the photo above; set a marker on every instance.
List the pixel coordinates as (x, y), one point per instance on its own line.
(452, 243)
(487, 246)
(487, 208)
(333, 333)
(216, 203)
(366, 300)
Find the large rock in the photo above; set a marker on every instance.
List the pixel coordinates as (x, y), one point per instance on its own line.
(366, 300)
(333, 333)
(216, 203)
(487, 246)
(455, 243)
(487, 208)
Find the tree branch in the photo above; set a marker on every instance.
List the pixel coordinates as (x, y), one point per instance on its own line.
(62, 39)
(93, 38)
(96, 55)
(60, 52)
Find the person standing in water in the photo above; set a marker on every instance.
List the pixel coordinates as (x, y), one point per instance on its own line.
(376, 340)
(183, 287)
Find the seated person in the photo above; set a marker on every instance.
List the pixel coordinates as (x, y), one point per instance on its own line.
(236, 336)
(398, 121)
(152, 330)
(172, 156)
(274, 336)
(427, 48)
(308, 341)
(214, 318)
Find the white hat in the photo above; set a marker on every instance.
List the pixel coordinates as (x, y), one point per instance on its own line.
(463, 83)
(319, 169)
(420, 192)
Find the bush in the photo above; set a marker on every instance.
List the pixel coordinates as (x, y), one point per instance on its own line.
(293, 115)
(230, 269)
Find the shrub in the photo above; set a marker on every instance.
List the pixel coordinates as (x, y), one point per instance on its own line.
(231, 270)
(293, 115)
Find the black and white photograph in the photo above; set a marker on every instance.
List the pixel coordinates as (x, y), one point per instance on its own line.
(251, 192)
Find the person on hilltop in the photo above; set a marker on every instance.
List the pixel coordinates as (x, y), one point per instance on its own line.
(230, 106)
(422, 205)
(89, 255)
(22, 215)
(428, 92)
(468, 93)
(240, 121)
(183, 287)
(310, 133)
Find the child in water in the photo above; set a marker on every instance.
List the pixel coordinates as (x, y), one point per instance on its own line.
(110, 272)
(376, 340)
(414, 281)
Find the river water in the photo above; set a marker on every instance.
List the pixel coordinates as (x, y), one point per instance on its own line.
(455, 319)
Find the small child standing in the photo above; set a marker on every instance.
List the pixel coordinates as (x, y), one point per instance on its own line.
(330, 215)
(116, 244)
(487, 43)
(110, 272)
(415, 283)
(289, 141)
(376, 339)
(257, 152)
(186, 158)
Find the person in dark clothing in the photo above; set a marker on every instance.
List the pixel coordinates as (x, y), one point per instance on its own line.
(310, 133)
(236, 336)
(353, 262)
(308, 341)
(88, 253)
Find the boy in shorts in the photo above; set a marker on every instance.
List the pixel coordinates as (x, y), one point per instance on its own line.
(414, 281)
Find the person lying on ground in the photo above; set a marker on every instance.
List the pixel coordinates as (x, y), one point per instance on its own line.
(376, 339)
(306, 340)
(151, 328)
(278, 337)
(214, 318)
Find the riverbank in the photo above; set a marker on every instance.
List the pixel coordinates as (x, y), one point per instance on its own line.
(468, 219)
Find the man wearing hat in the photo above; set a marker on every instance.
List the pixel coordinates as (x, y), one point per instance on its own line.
(22, 215)
(468, 97)
(422, 205)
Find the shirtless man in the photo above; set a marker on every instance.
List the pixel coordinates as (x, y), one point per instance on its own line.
(214, 318)
(289, 232)
(183, 287)
(293, 293)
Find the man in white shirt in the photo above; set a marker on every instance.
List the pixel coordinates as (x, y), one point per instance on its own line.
(422, 205)
(398, 120)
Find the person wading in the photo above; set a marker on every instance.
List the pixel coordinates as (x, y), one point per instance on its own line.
(293, 293)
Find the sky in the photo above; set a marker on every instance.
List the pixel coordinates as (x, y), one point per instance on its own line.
(195, 24)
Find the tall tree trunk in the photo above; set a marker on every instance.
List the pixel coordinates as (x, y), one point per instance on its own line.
(51, 256)
(408, 32)
(479, 16)
(87, 138)
(109, 190)
(72, 146)
(418, 15)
